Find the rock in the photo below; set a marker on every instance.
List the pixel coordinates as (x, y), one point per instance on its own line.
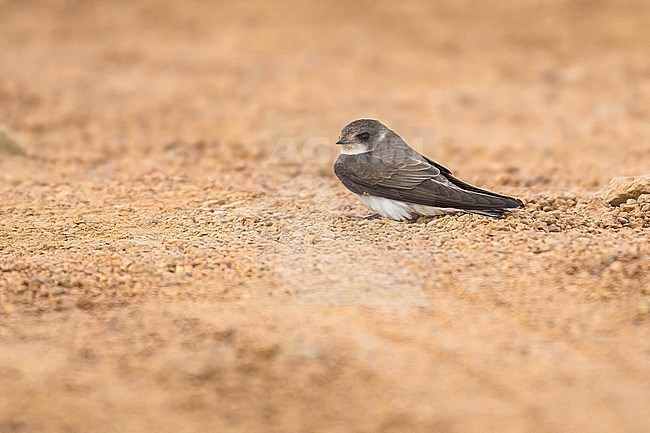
(9, 145)
(621, 189)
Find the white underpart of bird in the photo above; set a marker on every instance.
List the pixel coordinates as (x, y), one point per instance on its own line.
(401, 211)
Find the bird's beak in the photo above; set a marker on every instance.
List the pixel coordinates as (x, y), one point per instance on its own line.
(343, 141)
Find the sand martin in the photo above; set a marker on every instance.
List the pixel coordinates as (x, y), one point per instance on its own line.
(396, 182)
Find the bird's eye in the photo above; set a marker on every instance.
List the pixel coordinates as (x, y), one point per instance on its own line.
(363, 136)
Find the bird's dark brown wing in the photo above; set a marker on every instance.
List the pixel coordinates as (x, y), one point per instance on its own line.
(414, 180)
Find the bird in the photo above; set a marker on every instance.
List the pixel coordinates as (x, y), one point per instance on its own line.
(396, 182)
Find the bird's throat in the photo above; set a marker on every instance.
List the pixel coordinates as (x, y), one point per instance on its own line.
(354, 149)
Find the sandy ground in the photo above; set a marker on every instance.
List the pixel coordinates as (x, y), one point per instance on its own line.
(177, 255)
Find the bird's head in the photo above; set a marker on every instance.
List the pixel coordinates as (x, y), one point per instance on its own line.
(361, 136)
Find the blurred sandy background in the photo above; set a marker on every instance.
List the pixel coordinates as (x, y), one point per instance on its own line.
(177, 255)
